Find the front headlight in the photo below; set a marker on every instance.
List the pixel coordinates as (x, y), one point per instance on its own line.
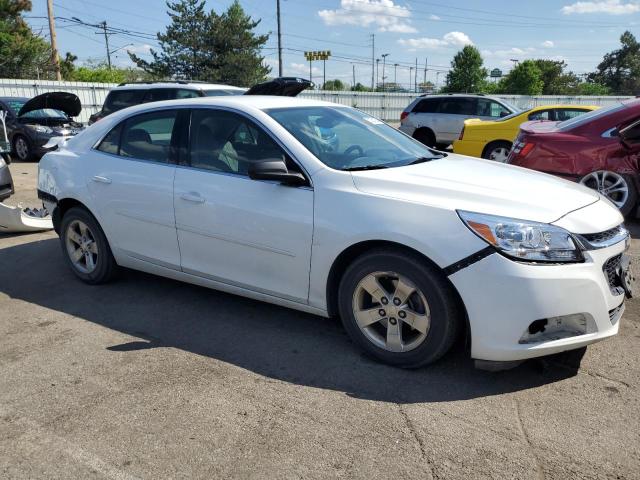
(522, 239)
(42, 129)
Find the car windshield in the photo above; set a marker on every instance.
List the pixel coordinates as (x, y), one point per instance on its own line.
(347, 139)
(587, 117)
(16, 105)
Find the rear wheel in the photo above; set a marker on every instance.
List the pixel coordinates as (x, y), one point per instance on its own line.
(425, 136)
(398, 309)
(22, 148)
(618, 188)
(85, 247)
(497, 151)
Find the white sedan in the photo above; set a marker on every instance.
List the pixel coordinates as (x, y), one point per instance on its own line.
(322, 208)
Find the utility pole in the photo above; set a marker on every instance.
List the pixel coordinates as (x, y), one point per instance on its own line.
(55, 59)
(425, 70)
(395, 74)
(415, 80)
(384, 59)
(377, 76)
(410, 76)
(353, 66)
(279, 40)
(373, 56)
(103, 25)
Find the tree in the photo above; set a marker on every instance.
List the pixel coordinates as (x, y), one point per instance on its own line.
(555, 81)
(23, 54)
(524, 79)
(206, 46)
(334, 85)
(67, 66)
(619, 70)
(358, 87)
(467, 73)
(591, 88)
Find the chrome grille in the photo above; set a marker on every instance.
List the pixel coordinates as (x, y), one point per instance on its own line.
(603, 239)
(602, 236)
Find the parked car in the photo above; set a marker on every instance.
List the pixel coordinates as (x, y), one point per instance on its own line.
(438, 119)
(133, 93)
(244, 194)
(492, 139)
(6, 182)
(31, 123)
(587, 149)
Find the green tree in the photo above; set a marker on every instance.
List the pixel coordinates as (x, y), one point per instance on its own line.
(206, 46)
(23, 54)
(554, 78)
(358, 87)
(619, 70)
(67, 66)
(524, 79)
(591, 88)
(334, 85)
(467, 73)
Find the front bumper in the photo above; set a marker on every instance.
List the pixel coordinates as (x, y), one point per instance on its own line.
(504, 297)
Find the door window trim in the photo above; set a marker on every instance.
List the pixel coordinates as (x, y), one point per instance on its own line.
(265, 130)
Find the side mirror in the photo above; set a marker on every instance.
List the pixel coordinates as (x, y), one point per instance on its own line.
(275, 169)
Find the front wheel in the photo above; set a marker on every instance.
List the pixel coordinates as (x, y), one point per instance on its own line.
(618, 188)
(85, 247)
(398, 308)
(22, 148)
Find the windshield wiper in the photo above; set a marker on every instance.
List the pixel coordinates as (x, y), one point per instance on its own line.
(427, 159)
(364, 167)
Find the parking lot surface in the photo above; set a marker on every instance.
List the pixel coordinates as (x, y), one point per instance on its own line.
(148, 378)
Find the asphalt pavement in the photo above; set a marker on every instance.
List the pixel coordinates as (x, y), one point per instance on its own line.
(148, 378)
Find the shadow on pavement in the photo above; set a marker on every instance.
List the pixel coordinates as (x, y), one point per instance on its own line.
(271, 341)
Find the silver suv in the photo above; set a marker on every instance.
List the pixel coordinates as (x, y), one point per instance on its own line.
(438, 119)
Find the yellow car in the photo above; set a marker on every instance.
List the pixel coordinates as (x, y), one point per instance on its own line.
(492, 139)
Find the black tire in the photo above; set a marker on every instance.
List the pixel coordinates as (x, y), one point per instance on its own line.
(629, 206)
(425, 136)
(491, 147)
(28, 157)
(105, 266)
(442, 303)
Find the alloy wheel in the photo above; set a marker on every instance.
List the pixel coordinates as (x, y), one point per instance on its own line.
(610, 184)
(81, 247)
(22, 148)
(391, 311)
(499, 154)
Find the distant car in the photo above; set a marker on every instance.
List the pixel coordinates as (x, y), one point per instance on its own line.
(598, 149)
(408, 245)
(492, 139)
(130, 94)
(31, 123)
(438, 119)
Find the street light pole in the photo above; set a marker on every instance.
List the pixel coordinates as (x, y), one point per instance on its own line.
(279, 40)
(395, 74)
(384, 59)
(377, 69)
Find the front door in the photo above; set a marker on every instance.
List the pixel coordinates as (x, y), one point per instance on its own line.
(248, 233)
(130, 177)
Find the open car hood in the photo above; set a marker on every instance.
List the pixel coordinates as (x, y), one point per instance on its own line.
(282, 87)
(63, 101)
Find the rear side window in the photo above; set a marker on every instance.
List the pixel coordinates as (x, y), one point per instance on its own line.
(568, 113)
(491, 108)
(540, 115)
(428, 105)
(119, 99)
(458, 106)
(185, 93)
(148, 136)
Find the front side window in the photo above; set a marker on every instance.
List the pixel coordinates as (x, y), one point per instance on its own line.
(222, 92)
(344, 138)
(227, 142)
(186, 93)
(119, 99)
(147, 136)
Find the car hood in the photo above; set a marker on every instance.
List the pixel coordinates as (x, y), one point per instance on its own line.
(282, 86)
(63, 101)
(464, 183)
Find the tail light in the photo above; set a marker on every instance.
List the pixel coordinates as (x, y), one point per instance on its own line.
(523, 148)
(461, 133)
(403, 115)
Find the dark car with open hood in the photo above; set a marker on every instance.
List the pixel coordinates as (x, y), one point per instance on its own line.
(31, 123)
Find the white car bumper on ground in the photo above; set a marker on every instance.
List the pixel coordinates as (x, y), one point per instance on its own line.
(504, 298)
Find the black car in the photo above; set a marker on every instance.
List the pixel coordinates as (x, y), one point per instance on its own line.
(31, 123)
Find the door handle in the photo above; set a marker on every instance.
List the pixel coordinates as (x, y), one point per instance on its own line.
(192, 197)
(100, 179)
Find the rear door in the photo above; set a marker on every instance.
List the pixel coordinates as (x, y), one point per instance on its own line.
(232, 229)
(130, 177)
(452, 113)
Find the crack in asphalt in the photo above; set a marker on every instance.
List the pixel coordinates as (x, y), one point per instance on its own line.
(525, 435)
(418, 439)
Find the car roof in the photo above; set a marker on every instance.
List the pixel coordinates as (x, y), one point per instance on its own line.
(177, 84)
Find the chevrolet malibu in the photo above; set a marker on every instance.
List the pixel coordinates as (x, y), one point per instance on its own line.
(322, 208)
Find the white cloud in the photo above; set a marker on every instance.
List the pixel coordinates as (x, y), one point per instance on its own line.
(384, 14)
(610, 7)
(451, 39)
(142, 49)
(510, 52)
(547, 44)
(434, 17)
(303, 69)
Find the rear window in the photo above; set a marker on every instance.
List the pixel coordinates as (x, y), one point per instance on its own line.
(587, 117)
(458, 106)
(119, 99)
(428, 105)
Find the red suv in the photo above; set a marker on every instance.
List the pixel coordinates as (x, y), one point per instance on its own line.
(598, 149)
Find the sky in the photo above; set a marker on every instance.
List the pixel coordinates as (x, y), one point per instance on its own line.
(578, 32)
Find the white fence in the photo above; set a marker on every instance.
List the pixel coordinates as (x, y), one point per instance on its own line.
(387, 106)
